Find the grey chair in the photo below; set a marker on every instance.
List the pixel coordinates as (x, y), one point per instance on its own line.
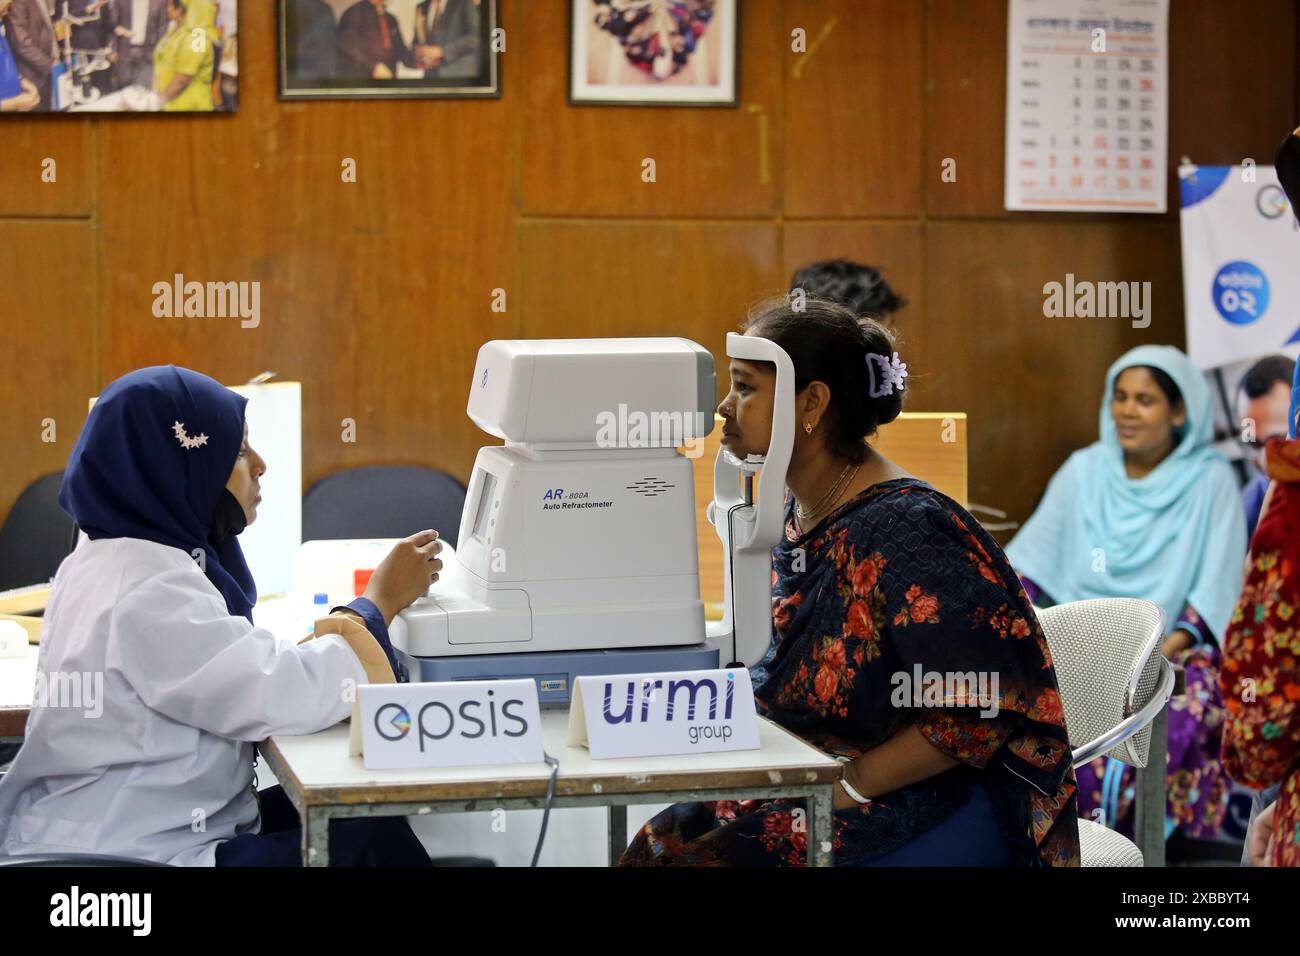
(1115, 685)
(36, 536)
(388, 501)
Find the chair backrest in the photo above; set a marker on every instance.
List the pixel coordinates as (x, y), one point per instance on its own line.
(390, 501)
(36, 536)
(1108, 666)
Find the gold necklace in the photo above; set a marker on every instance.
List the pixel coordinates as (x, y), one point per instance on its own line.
(832, 495)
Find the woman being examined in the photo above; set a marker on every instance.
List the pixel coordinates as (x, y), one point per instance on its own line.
(153, 611)
(185, 57)
(1150, 511)
(879, 579)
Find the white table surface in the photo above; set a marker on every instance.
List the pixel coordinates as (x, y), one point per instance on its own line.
(18, 678)
(321, 760)
(18, 681)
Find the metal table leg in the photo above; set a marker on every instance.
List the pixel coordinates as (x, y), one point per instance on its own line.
(821, 835)
(315, 837)
(617, 832)
(1149, 805)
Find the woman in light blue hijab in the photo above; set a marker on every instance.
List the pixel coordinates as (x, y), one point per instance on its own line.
(1150, 511)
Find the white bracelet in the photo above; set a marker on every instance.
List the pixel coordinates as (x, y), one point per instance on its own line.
(853, 793)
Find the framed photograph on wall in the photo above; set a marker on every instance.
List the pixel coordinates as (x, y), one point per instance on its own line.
(388, 49)
(119, 56)
(653, 52)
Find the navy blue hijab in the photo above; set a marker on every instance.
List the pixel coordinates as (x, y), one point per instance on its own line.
(152, 462)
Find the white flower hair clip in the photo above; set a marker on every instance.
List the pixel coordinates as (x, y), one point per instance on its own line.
(178, 429)
(892, 373)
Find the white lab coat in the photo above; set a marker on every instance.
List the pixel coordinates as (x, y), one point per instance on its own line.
(165, 772)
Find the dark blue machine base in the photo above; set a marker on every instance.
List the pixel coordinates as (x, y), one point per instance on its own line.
(554, 671)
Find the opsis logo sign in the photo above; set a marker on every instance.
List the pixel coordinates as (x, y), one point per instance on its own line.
(448, 724)
(392, 717)
(437, 721)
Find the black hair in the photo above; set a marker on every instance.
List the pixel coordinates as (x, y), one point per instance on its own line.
(861, 288)
(1173, 394)
(1267, 372)
(829, 343)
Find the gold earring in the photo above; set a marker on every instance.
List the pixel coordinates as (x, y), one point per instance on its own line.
(807, 428)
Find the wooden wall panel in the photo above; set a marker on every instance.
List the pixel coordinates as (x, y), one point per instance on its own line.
(376, 294)
(586, 160)
(1032, 385)
(47, 364)
(965, 108)
(853, 108)
(1217, 114)
(600, 278)
(896, 248)
(25, 143)
(1213, 46)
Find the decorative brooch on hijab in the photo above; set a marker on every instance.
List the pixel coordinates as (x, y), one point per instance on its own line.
(892, 373)
(188, 443)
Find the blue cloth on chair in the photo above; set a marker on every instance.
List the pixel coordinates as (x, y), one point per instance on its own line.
(969, 837)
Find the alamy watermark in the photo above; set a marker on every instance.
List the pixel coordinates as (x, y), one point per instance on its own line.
(658, 429)
(208, 300)
(946, 689)
(73, 690)
(1084, 299)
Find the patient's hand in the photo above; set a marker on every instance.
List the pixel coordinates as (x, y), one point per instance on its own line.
(405, 574)
(1262, 837)
(1176, 643)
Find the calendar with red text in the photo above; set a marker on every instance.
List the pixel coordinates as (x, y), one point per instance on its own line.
(1087, 105)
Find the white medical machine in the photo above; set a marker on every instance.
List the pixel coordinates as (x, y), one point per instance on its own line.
(577, 550)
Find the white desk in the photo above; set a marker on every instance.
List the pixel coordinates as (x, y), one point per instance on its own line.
(324, 783)
(17, 682)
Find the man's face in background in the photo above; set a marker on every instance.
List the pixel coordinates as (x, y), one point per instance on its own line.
(1269, 413)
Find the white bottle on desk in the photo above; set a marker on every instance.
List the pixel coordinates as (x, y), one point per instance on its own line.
(320, 607)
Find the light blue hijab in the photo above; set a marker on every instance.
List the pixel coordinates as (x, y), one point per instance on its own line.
(1175, 537)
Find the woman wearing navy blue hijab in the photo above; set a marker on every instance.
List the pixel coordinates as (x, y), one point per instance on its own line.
(128, 477)
(153, 614)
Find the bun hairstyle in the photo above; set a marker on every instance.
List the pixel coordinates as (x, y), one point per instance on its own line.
(828, 342)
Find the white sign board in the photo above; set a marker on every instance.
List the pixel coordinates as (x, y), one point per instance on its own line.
(451, 724)
(274, 416)
(647, 715)
(1241, 288)
(1087, 105)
